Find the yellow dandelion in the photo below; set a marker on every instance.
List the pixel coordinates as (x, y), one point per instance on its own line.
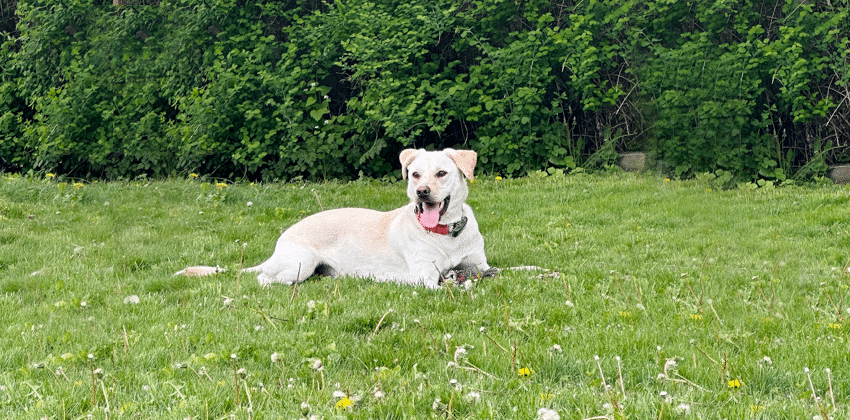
(193, 175)
(734, 384)
(524, 372)
(344, 403)
(498, 178)
(50, 175)
(666, 179)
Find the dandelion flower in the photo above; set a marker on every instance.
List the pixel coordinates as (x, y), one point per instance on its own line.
(344, 403)
(524, 372)
(498, 178)
(193, 175)
(734, 384)
(547, 414)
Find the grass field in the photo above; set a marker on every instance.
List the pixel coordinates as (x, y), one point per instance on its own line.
(673, 300)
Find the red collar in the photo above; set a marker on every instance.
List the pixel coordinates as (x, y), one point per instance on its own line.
(439, 229)
(453, 229)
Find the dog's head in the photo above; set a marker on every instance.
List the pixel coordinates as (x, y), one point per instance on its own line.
(435, 182)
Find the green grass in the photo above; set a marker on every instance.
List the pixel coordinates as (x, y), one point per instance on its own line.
(650, 271)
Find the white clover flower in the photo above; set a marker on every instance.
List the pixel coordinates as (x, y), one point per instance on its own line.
(275, 357)
(569, 304)
(131, 300)
(683, 409)
(767, 360)
(250, 203)
(670, 364)
(547, 414)
(438, 405)
(557, 348)
(317, 364)
(460, 352)
(338, 394)
(379, 394)
(83, 304)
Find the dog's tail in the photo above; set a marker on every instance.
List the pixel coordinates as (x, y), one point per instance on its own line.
(255, 269)
(202, 270)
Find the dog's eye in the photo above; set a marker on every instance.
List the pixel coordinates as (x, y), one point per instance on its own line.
(441, 174)
(415, 175)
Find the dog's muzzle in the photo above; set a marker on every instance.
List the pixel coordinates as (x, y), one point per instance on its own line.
(429, 212)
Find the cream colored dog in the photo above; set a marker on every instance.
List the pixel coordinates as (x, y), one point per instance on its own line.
(432, 238)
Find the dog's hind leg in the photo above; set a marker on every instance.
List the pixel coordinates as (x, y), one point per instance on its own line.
(291, 263)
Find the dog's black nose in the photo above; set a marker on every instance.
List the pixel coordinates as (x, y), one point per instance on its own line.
(423, 192)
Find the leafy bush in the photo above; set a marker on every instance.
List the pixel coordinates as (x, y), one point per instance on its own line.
(303, 88)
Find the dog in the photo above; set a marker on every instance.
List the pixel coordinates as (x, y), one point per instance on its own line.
(433, 238)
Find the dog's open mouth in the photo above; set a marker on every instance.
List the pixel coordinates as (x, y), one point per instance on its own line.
(429, 213)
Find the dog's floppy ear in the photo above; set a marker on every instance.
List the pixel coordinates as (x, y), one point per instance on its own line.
(406, 157)
(464, 160)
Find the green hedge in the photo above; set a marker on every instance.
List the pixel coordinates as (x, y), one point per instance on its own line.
(321, 89)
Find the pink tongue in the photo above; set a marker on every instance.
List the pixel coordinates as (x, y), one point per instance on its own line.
(430, 218)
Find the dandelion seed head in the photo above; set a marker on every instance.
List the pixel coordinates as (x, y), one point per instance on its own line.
(547, 414)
